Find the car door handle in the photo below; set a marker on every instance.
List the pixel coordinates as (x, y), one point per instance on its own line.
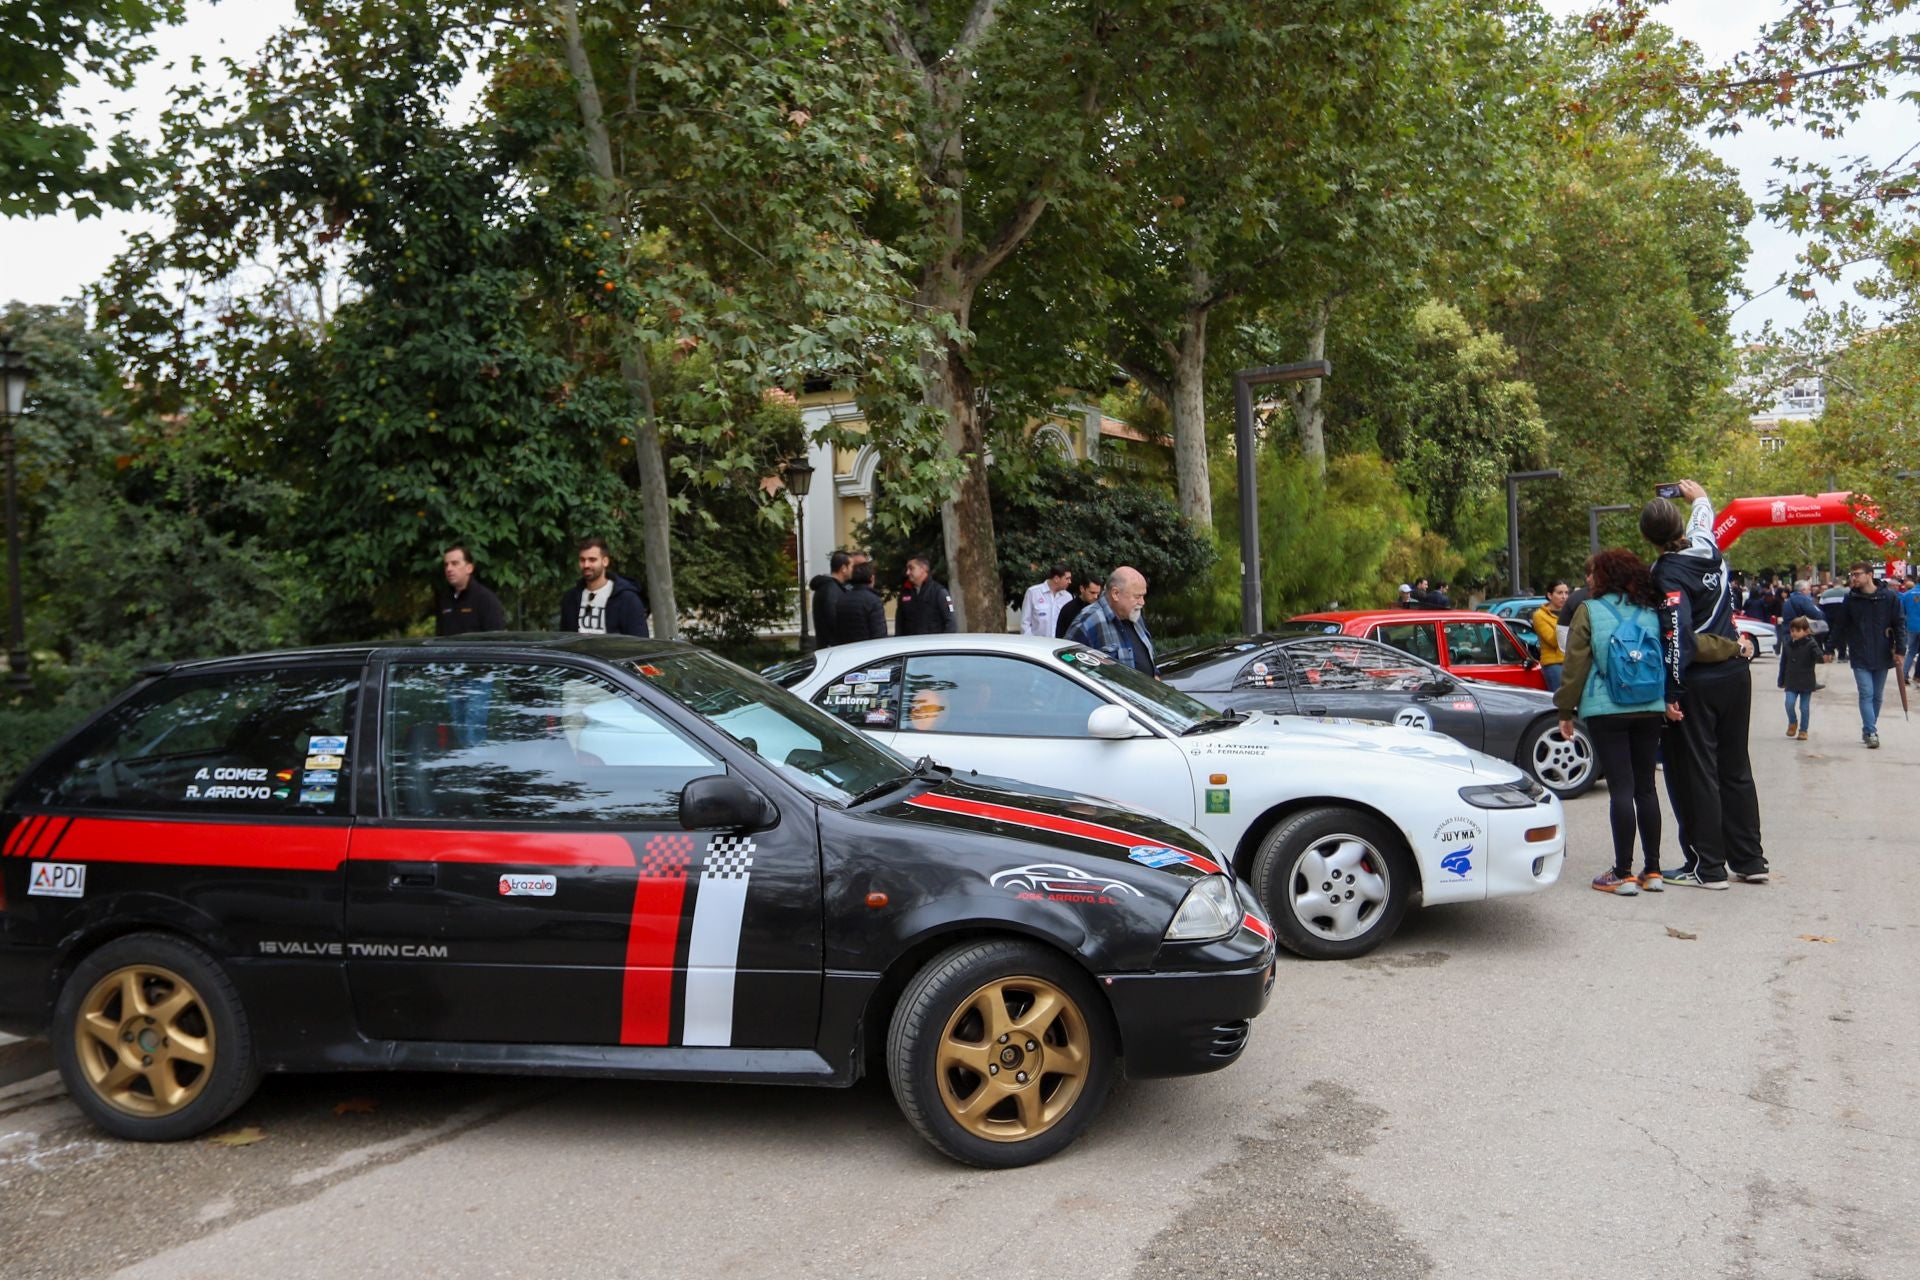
(412, 879)
(1313, 711)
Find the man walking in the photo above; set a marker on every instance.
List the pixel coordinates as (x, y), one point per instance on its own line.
(1116, 624)
(1709, 698)
(925, 608)
(1910, 612)
(468, 604)
(1041, 609)
(602, 603)
(1873, 629)
(829, 589)
(1089, 592)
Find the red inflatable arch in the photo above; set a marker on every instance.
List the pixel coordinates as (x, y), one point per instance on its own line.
(1855, 509)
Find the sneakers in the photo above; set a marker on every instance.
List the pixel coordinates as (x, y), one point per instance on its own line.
(1758, 877)
(1803, 735)
(1873, 742)
(1652, 882)
(1690, 878)
(1615, 883)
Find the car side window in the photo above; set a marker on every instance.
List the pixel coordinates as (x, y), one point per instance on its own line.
(865, 697)
(1267, 671)
(509, 742)
(1504, 650)
(1416, 638)
(265, 743)
(1004, 697)
(1354, 664)
(1472, 644)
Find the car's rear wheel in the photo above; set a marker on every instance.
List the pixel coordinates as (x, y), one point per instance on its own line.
(151, 1039)
(1565, 766)
(1000, 1053)
(1335, 881)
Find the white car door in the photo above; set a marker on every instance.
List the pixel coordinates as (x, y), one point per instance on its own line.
(1007, 715)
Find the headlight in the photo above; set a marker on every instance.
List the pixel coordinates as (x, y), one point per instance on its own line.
(1208, 912)
(1523, 794)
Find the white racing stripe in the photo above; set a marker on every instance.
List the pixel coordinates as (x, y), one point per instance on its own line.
(713, 950)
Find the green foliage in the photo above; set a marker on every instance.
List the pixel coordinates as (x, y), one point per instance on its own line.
(47, 144)
(1091, 519)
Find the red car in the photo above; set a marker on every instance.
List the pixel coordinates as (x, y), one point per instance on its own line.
(1465, 642)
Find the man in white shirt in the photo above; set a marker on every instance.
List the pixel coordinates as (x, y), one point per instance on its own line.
(603, 603)
(1044, 601)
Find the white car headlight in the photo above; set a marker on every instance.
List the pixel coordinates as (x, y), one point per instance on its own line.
(1208, 912)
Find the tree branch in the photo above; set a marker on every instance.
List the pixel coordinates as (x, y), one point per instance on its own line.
(1010, 233)
(976, 26)
(900, 44)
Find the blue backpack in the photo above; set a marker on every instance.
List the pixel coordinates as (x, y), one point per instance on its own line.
(1635, 673)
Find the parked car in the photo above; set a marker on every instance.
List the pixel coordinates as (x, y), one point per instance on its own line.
(599, 857)
(1361, 679)
(1338, 826)
(1765, 639)
(1463, 641)
(1511, 607)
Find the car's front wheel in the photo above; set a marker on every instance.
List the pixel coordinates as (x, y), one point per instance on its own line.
(1565, 766)
(151, 1039)
(1000, 1053)
(1335, 881)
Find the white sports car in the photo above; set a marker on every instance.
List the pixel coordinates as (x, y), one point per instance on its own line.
(1338, 826)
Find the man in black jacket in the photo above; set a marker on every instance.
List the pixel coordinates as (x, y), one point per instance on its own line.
(1088, 592)
(1709, 698)
(925, 607)
(829, 590)
(602, 603)
(862, 615)
(468, 604)
(1872, 628)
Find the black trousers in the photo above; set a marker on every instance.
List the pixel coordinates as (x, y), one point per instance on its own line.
(1709, 774)
(1628, 747)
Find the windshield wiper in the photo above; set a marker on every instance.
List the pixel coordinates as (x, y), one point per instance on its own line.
(924, 770)
(1226, 721)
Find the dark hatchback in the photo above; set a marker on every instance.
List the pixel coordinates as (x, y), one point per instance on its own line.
(593, 857)
(1350, 677)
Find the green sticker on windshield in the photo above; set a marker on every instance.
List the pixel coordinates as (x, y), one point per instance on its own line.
(1218, 800)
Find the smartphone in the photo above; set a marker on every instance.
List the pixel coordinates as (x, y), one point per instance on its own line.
(1667, 490)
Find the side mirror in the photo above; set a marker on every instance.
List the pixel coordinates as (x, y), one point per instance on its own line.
(722, 803)
(1110, 721)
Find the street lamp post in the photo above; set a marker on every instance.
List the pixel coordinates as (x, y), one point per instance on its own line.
(13, 385)
(798, 476)
(1593, 523)
(1513, 521)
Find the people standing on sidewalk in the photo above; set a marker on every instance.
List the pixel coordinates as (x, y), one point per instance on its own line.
(1546, 625)
(468, 604)
(1089, 592)
(1616, 683)
(1873, 630)
(1116, 625)
(1709, 698)
(925, 608)
(862, 615)
(829, 589)
(1910, 611)
(1800, 676)
(602, 603)
(1040, 610)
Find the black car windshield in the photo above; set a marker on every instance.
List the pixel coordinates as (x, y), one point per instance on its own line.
(805, 745)
(1162, 703)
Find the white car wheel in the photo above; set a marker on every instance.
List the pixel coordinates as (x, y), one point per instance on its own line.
(1336, 882)
(1564, 766)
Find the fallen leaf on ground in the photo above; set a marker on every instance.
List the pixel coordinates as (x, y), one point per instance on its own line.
(237, 1138)
(1681, 934)
(354, 1107)
(1814, 937)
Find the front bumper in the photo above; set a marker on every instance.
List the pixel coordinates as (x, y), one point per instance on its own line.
(1185, 1022)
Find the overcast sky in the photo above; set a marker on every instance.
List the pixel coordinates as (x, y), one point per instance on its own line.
(48, 259)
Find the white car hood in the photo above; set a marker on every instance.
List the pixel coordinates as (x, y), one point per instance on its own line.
(1263, 734)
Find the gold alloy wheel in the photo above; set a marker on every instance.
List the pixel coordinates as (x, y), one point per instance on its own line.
(1013, 1059)
(144, 1040)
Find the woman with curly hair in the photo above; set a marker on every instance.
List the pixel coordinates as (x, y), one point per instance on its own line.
(1626, 736)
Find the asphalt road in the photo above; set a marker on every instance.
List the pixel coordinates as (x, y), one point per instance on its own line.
(1691, 1084)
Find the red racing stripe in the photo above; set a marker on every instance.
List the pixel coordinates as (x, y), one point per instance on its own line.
(1254, 924)
(46, 837)
(24, 835)
(653, 938)
(532, 848)
(206, 844)
(1050, 822)
(13, 837)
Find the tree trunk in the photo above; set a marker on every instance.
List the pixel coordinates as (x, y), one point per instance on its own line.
(1309, 417)
(966, 516)
(656, 534)
(1189, 405)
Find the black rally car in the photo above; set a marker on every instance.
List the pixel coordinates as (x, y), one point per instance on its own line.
(603, 857)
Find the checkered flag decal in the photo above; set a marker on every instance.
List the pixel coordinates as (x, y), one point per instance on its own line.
(728, 858)
(666, 856)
